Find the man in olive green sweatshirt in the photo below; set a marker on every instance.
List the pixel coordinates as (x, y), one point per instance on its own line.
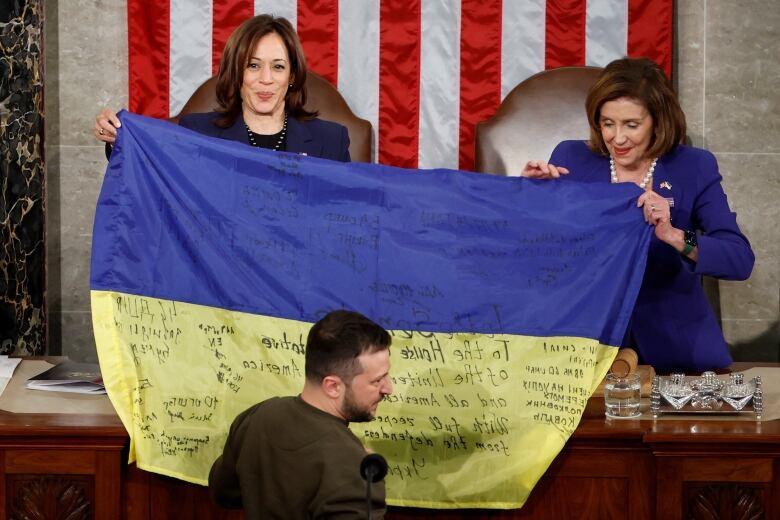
(294, 457)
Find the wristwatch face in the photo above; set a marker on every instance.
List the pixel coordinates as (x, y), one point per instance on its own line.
(690, 238)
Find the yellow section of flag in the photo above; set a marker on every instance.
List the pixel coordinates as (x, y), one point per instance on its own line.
(474, 419)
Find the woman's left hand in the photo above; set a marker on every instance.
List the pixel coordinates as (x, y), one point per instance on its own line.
(542, 170)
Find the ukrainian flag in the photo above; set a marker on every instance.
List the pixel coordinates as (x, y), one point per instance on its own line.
(212, 259)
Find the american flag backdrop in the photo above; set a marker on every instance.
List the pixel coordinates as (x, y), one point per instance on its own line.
(423, 72)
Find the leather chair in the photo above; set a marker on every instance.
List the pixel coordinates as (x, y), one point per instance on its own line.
(540, 112)
(320, 96)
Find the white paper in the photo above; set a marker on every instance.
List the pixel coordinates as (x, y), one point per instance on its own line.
(7, 367)
(77, 387)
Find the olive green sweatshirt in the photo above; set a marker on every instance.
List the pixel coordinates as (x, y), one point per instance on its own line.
(285, 459)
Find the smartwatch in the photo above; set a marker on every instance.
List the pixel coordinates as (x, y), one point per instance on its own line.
(690, 241)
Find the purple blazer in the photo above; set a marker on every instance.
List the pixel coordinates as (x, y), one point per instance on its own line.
(314, 137)
(672, 325)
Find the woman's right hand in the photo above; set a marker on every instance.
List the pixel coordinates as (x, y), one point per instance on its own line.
(106, 124)
(542, 170)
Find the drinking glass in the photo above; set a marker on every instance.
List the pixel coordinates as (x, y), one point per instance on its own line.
(621, 396)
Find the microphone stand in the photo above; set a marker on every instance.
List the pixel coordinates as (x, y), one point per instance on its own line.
(369, 479)
(373, 468)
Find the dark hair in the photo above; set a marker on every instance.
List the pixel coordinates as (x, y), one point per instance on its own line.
(235, 59)
(336, 341)
(643, 80)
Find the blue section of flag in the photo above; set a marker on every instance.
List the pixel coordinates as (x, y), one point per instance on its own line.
(212, 222)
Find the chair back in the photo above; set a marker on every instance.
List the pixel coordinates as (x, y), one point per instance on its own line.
(535, 116)
(320, 96)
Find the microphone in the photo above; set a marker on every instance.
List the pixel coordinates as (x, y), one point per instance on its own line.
(373, 468)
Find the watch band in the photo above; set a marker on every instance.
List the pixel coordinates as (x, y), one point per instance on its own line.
(690, 242)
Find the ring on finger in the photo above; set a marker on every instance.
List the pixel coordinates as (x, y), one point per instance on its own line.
(101, 131)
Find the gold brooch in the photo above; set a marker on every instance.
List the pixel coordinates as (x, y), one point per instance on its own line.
(666, 185)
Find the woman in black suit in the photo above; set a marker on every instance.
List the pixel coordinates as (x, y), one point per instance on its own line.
(261, 94)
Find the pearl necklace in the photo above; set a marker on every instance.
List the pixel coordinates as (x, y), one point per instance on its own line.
(648, 179)
(279, 142)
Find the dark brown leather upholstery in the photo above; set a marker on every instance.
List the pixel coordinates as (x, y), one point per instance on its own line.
(536, 115)
(320, 95)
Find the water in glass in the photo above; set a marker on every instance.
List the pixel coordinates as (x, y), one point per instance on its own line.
(621, 396)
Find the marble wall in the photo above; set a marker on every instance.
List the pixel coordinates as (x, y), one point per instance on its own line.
(728, 75)
(86, 70)
(22, 252)
(728, 68)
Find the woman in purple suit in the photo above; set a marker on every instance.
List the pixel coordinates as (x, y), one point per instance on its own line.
(636, 131)
(261, 96)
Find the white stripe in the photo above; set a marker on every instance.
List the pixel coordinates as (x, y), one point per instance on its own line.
(522, 41)
(190, 50)
(284, 8)
(358, 59)
(606, 31)
(439, 84)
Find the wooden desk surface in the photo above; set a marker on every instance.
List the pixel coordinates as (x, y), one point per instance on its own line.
(670, 468)
(46, 424)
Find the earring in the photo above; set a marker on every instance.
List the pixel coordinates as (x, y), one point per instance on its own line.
(291, 85)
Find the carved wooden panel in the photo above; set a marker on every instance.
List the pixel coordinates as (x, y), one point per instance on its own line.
(50, 497)
(726, 501)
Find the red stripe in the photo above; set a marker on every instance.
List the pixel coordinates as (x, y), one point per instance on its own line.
(564, 35)
(226, 16)
(148, 39)
(318, 29)
(650, 32)
(399, 83)
(480, 70)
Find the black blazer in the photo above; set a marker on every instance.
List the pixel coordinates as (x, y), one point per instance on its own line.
(313, 137)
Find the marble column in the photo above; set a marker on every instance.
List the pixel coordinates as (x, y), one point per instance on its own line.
(22, 252)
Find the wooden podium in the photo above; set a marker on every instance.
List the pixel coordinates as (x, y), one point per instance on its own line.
(61, 466)
(637, 469)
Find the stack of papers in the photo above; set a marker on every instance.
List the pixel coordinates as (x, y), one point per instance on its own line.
(69, 376)
(7, 367)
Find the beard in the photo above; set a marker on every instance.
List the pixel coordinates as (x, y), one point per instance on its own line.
(352, 411)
